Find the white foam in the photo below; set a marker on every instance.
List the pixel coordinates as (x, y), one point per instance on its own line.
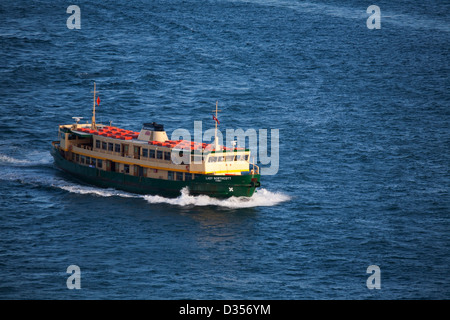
(38, 159)
(80, 189)
(260, 198)
(8, 159)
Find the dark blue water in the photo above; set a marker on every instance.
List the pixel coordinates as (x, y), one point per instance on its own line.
(363, 116)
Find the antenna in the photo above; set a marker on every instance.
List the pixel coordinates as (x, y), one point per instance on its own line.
(216, 142)
(93, 110)
(77, 119)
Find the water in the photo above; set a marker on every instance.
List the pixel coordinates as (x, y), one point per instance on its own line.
(364, 149)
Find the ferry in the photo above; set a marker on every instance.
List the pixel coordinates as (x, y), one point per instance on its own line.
(148, 162)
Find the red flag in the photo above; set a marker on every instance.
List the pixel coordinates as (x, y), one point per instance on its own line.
(214, 118)
(98, 101)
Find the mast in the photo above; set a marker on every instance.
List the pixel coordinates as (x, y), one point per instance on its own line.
(93, 111)
(216, 142)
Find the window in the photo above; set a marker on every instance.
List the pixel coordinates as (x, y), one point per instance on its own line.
(212, 159)
(117, 147)
(196, 159)
(152, 154)
(230, 158)
(88, 160)
(169, 175)
(110, 146)
(99, 163)
(94, 162)
(167, 156)
(83, 159)
(97, 144)
(179, 176)
(145, 152)
(187, 176)
(126, 168)
(220, 158)
(246, 157)
(77, 157)
(159, 154)
(103, 145)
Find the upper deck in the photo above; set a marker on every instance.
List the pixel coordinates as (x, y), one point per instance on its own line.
(152, 149)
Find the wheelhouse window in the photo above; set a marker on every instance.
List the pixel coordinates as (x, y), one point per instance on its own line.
(103, 145)
(152, 153)
(110, 146)
(212, 159)
(117, 147)
(159, 154)
(145, 152)
(167, 156)
(97, 144)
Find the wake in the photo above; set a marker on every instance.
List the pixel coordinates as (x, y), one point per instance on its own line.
(39, 158)
(261, 198)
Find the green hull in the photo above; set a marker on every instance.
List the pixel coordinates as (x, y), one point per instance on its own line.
(211, 185)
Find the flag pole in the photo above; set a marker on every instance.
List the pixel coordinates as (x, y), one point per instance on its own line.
(93, 111)
(216, 142)
(215, 132)
(94, 125)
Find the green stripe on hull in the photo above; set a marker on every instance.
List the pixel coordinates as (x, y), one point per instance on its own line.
(211, 185)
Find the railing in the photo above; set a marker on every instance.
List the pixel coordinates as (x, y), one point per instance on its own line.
(83, 146)
(254, 169)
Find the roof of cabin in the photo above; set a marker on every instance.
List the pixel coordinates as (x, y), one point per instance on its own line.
(122, 134)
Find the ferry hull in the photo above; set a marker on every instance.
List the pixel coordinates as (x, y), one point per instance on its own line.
(211, 185)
